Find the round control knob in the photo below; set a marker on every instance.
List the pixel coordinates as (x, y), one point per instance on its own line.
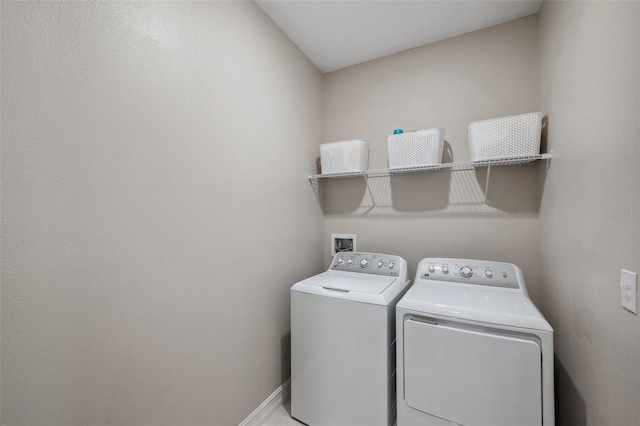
(431, 268)
(350, 261)
(392, 265)
(488, 273)
(380, 264)
(364, 263)
(466, 272)
(340, 261)
(445, 269)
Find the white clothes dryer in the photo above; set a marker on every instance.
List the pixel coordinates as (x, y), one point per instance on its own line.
(473, 349)
(343, 341)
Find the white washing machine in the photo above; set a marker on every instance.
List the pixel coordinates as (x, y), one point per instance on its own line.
(473, 349)
(343, 341)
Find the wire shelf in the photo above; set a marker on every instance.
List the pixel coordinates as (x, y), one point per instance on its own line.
(446, 167)
(463, 165)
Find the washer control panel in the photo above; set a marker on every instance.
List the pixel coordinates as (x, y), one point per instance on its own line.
(478, 272)
(368, 263)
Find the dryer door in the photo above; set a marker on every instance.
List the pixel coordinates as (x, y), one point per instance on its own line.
(472, 377)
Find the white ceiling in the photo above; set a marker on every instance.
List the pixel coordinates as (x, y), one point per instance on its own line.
(337, 34)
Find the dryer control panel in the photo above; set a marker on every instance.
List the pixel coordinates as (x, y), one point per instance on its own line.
(469, 271)
(369, 263)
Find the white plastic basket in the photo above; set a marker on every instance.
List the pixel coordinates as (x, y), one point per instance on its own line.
(506, 137)
(344, 156)
(415, 149)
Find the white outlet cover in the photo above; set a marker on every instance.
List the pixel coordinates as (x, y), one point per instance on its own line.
(628, 290)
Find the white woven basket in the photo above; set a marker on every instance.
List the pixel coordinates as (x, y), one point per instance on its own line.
(344, 156)
(415, 149)
(506, 137)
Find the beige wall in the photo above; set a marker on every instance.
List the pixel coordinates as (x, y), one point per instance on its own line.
(153, 162)
(153, 180)
(589, 224)
(484, 74)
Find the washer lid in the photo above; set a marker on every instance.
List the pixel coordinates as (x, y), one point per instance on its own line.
(485, 304)
(351, 282)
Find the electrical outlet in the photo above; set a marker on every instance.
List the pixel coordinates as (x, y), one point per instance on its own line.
(342, 242)
(628, 290)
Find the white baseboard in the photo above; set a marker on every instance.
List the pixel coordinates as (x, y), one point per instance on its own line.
(269, 405)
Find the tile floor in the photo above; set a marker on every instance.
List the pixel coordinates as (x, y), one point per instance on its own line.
(282, 417)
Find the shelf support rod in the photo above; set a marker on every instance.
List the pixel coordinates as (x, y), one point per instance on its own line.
(315, 186)
(486, 187)
(373, 201)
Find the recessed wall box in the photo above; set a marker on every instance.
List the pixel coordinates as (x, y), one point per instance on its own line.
(342, 242)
